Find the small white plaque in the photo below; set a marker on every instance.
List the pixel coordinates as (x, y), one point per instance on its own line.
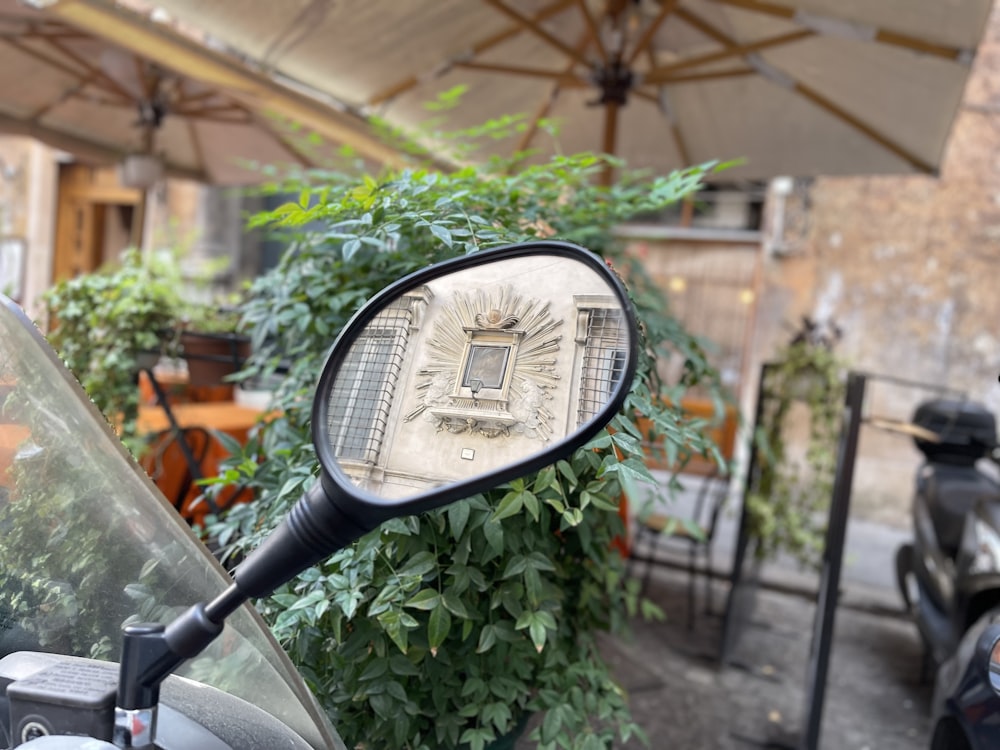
(468, 454)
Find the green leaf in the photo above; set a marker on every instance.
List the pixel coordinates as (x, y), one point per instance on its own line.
(458, 517)
(400, 665)
(375, 669)
(425, 599)
(396, 628)
(476, 738)
(420, 564)
(438, 627)
(531, 503)
(567, 471)
(441, 233)
(454, 604)
(487, 639)
(509, 506)
(494, 536)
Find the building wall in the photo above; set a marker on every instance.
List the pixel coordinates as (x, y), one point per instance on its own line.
(908, 268)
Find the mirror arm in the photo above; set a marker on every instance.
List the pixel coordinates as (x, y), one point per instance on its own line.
(314, 529)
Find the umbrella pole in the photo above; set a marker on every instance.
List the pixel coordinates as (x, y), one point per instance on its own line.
(610, 139)
(138, 219)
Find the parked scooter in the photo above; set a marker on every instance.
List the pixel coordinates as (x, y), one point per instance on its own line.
(950, 575)
(88, 543)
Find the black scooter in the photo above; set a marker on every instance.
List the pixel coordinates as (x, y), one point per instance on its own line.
(950, 574)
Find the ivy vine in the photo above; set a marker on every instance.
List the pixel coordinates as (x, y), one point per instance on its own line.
(791, 489)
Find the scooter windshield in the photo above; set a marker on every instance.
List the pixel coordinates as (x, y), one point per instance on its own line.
(88, 544)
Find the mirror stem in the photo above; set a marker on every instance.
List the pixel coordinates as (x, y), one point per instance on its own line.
(314, 529)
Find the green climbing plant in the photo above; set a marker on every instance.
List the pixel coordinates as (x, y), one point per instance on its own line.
(792, 485)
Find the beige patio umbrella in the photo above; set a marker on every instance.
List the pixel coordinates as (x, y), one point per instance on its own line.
(201, 114)
(797, 87)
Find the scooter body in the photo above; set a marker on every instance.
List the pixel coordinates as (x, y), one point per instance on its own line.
(950, 574)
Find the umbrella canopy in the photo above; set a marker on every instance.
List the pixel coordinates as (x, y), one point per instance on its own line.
(66, 81)
(796, 87)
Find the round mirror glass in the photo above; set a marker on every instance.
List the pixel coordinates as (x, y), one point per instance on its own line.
(469, 372)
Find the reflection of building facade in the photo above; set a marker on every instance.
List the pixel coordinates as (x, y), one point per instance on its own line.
(447, 382)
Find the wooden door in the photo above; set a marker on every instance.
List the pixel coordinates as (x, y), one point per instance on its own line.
(93, 218)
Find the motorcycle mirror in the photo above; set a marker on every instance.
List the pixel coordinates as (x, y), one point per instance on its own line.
(454, 380)
(457, 378)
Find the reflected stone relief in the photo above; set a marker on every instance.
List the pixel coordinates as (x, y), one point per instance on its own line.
(491, 366)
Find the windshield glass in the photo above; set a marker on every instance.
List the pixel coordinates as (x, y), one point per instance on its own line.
(88, 543)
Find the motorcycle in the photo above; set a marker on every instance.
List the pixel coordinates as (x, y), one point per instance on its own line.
(476, 367)
(949, 576)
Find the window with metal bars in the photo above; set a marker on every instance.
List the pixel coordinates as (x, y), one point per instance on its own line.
(604, 357)
(358, 409)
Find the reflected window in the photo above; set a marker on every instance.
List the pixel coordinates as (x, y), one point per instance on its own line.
(358, 410)
(605, 353)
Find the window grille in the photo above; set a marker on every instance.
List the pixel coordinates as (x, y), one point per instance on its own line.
(604, 358)
(358, 410)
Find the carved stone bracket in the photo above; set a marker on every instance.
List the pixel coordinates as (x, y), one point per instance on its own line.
(491, 367)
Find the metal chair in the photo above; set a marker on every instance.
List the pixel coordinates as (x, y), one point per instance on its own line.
(696, 530)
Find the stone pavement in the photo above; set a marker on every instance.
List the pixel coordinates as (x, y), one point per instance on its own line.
(683, 697)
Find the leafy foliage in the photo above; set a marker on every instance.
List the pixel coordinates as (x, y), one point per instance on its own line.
(790, 495)
(445, 630)
(109, 323)
(102, 323)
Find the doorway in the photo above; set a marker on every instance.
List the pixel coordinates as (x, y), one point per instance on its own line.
(95, 219)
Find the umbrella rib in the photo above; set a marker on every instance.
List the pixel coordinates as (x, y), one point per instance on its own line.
(100, 76)
(675, 131)
(391, 92)
(69, 93)
(199, 151)
(531, 25)
(592, 29)
(565, 78)
(212, 113)
(541, 113)
(660, 101)
(704, 27)
(821, 101)
(93, 149)
(880, 35)
(294, 150)
(708, 76)
(733, 50)
(42, 57)
(550, 100)
(667, 7)
(781, 78)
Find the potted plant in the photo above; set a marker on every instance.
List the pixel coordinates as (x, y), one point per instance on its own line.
(109, 324)
(210, 341)
(449, 630)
